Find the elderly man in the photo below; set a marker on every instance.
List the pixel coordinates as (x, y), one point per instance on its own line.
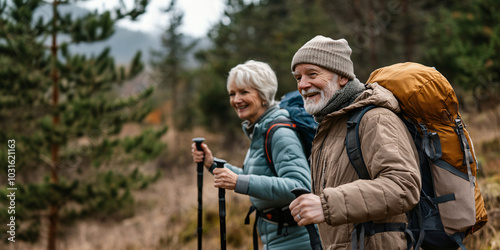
(342, 204)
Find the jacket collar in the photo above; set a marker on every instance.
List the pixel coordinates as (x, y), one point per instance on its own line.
(341, 98)
(249, 127)
(373, 95)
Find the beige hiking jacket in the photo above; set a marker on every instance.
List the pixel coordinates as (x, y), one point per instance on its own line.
(391, 159)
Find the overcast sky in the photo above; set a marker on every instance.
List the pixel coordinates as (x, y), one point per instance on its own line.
(199, 15)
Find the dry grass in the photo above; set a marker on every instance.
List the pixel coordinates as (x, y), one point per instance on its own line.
(484, 129)
(166, 212)
(489, 236)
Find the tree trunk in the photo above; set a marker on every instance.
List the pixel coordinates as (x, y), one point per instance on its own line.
(372, 35)
(407, 31)
(54, 208)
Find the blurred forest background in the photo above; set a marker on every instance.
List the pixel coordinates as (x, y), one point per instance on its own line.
(103, 146)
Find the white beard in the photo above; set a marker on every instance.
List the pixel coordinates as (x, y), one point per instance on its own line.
(326, 93)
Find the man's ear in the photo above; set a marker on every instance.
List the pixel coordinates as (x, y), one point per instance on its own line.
(342, 81)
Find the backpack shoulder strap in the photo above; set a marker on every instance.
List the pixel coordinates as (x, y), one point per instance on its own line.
(353, 147)
(352, 143)
(268, 140)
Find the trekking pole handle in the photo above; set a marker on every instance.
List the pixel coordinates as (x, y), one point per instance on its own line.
(199, 230)
(313, 234)
(198, 141)
(222, 208)
(220, 162)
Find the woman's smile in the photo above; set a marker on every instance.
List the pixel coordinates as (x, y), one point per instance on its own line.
(247, 102)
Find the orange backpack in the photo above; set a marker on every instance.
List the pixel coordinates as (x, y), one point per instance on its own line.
(451, 206)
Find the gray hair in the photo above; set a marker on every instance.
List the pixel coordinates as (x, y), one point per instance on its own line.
(256, 75)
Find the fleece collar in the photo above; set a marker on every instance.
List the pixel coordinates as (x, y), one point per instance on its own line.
(341, 99)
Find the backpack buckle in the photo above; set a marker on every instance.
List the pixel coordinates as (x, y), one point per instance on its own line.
(351, 124)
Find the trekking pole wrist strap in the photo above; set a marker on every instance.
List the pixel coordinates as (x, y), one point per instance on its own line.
(211, 169)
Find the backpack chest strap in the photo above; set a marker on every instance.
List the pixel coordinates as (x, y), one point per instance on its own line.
(370, 228)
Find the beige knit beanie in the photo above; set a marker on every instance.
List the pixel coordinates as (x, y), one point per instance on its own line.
(334, 55)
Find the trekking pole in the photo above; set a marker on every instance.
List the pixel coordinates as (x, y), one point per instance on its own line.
(222, 208)
(199, 231)
(313, 234)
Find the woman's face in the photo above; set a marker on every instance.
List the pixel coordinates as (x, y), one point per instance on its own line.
(246, 102)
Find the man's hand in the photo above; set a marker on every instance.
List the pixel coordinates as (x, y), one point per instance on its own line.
(307, 209)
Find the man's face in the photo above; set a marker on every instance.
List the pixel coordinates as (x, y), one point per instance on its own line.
(316, 85)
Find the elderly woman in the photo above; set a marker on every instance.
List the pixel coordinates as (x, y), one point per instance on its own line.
(252, 87)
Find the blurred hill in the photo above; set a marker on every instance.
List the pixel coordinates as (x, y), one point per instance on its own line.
(124, 43)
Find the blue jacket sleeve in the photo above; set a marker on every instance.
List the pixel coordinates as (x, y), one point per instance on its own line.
(236, 170)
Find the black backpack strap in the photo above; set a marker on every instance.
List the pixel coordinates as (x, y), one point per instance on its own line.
(268, 141)
(353, 147)
(370, 228)
(352, 143)
(247, 221)
(420, 222)
(459, 237)
(281, 216)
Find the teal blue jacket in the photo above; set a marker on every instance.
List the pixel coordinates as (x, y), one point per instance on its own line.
(268, 191)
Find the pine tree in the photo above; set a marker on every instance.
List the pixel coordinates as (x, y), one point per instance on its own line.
(170, 69)
(463, 42)
(64, 114)
(379, 32)
(269, 31)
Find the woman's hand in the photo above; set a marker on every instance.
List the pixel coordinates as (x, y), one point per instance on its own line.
(225, 178)
(307, 209)
(198, 155)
